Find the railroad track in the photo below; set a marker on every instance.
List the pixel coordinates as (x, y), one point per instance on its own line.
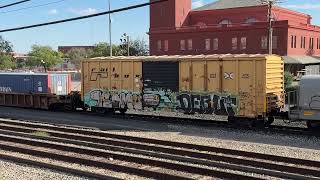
(159, 159)
(286, 130)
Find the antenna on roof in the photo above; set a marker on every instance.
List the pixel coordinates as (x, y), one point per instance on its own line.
(270, 4)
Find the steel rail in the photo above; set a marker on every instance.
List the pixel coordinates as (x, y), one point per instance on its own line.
(94, 134)
(91, 163)
(217, 158)
(242, 168)
(62, 169)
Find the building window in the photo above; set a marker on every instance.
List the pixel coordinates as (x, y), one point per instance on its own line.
(225, 22)
(243, 43)
(215, 44)
(182, 45)
(189, 44)
(208, 44)
(318, 43)
(234, 43)
(293, 41)
(275, 42)
(159, 45)
(166, 45)
(251, 20)
(304, 42)
(264, 42)
(311, 43)
(301, 43)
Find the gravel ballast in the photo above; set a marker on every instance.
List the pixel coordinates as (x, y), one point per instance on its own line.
(14, 171)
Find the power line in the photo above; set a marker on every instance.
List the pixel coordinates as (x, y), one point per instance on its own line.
(31, 7)
(12, 4)
(83, 17)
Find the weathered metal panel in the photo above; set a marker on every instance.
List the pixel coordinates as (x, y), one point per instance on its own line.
(309, 100)
(23, 83)
(312, 69)
(161, 75)
(59, 83)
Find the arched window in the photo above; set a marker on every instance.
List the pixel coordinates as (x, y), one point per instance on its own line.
(225, 22)
(251, 20)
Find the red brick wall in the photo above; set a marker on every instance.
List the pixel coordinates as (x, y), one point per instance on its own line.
(292, 16)
(198, 37)
(169, 14)
(303, 33)
(238, 16)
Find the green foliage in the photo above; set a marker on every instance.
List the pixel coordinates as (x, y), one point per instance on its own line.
(6, 62)
(43, 56)
(20, 63)
(5, 46)
(103, 49)
(77, 55)
(288, 79)
(137, 48)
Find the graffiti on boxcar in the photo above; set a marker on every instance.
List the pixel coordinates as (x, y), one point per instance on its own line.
(98, 73)
(315, 102)
(5, 89)
(130, 100)
(114, 99)
(211, 103)
(208, 104)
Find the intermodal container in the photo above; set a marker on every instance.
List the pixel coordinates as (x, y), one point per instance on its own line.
(59, 84)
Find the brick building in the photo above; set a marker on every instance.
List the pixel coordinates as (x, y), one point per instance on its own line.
(231, 26)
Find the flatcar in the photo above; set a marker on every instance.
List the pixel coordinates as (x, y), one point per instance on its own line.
(242, 87)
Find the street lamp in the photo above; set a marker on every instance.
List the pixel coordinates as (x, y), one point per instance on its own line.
(125, 40)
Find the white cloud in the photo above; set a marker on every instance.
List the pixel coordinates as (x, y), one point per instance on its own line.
(53, 11)
(303, 6)
(83, 12)
(197, 4)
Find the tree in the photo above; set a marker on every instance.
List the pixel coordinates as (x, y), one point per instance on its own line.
(103, 50)
(5, 46)
(76, 55)
(43, 56)
(288, 79)
(6, 62)
(139, 47)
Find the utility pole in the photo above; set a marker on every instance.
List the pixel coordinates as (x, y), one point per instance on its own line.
(110, 28)
(270, 4)
(270, 28)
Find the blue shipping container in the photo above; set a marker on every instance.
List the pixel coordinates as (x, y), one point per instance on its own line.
(34, 83)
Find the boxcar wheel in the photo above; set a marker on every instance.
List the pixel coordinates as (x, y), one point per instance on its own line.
(269, 121)
(313, 125)
(123, 111)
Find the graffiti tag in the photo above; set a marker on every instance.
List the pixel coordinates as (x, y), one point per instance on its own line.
(5, 89)
(207, 104)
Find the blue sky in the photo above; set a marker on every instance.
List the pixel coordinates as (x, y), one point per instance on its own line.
(92, 31)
